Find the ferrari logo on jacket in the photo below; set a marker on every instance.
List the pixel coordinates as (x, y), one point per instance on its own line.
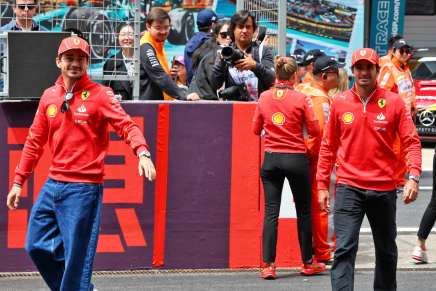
(381, 102)
(279, 94)
(85, 95)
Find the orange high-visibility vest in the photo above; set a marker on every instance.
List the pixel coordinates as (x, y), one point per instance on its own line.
(398, 78)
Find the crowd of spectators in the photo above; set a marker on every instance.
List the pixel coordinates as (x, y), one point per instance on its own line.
(225, 60)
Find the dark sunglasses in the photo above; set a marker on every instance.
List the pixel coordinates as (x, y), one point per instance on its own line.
(404, 51)
(29, 6)
(65, 105)
(224, 34)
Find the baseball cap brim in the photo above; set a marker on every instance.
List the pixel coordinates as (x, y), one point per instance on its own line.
(73, 43)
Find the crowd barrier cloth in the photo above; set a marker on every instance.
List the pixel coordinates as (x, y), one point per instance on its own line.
(205, 209)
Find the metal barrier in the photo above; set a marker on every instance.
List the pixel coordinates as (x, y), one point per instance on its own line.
(267, 14)
(98, 21)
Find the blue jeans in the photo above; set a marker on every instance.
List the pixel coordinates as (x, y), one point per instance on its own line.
(350, 207)
(62, 233)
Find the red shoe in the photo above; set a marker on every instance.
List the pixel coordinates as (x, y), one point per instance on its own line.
(312, 268)
(268, 273)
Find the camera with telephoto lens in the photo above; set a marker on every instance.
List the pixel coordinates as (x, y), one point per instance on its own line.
(231, 55)
(235, 93)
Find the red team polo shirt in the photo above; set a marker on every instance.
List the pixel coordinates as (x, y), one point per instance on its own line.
(284, 114)
(359, 138)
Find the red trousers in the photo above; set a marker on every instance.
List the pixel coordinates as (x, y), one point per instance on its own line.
(320, 226)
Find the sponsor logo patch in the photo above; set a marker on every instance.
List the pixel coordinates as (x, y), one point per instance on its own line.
(348, 117)
(278, 118)
(52, 110)
(81, 109)
(381, 116)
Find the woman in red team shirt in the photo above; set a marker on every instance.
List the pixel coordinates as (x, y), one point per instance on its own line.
(283, 114)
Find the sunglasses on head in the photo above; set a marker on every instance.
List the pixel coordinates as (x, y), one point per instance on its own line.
(28, 6)
(65, 105)
(224, 34)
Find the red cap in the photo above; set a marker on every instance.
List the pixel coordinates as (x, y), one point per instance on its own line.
(365, 54)
(73, 43)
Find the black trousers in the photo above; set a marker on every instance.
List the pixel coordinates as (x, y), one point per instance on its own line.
(429, 217)
(350, 207)
(295, 167)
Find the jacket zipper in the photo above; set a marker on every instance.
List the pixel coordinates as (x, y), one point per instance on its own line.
(366, 100)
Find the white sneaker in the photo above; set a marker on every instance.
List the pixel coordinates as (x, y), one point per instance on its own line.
(419, 255)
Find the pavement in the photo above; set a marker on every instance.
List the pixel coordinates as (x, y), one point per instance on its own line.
(410, 276)
(405, 243)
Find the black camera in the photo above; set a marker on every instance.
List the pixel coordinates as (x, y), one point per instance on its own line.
(231, 55)
(235, 93)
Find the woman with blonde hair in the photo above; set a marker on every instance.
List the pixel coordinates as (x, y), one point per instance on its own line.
(343, 84)
(283, 114)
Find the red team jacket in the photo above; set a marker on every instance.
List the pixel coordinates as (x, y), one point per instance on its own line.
(359, 139)
(283, 113)
(78, 139)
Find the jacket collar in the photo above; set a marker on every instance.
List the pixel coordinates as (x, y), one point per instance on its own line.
(14, 26)
(81, 84)
(369, 97)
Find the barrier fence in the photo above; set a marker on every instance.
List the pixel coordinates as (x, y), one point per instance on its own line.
(272, 15)
(204, 210)
(98, 21)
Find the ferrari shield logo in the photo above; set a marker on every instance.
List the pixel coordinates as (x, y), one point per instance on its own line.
(279, 94)
(381, 102)
(85, 95)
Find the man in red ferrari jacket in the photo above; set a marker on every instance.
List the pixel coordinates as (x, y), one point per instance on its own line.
(73, 116)
(359, 136)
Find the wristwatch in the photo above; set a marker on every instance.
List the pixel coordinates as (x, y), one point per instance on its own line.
(144, 154)
(414, 178)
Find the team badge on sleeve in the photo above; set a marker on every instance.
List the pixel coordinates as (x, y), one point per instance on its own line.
(381, 102)
(348, 117)
(52, 110)
(278, 118)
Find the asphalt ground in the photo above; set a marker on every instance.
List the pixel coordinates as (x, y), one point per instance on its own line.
(227, 281)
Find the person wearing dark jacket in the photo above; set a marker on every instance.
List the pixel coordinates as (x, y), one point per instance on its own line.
(155, 73)
(204, 57)
(244, 79)
(121, 64)
(206, 19)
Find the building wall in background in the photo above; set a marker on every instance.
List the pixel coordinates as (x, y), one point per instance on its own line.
(419, 30)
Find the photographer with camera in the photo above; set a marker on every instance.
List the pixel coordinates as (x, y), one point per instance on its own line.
(244, 69)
